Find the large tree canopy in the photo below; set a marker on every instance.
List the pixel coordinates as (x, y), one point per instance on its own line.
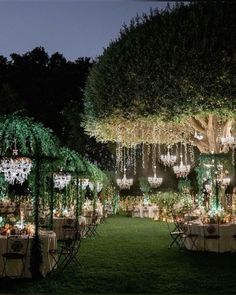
(168, 76)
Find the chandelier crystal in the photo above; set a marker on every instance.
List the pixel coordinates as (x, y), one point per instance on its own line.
(124, 183)
(61, 180)
(98, 186)
(222, 178)
(16, 170)
(155, 181)
(84, 182)
(228, 141)
(181, 170)
(168, 159)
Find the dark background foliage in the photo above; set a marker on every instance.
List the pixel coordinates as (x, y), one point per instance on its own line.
(51, 89)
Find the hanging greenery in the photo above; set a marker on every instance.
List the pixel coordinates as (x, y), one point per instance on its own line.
(144, 185)
(31, 138)
(184, 184)
(3, 187)
(36, 142)
(207, 168)
(70, 161)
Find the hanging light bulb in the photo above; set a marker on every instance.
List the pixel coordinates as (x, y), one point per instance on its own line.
(168, 159)
(124, 183)
(181, 170)
(155, 181)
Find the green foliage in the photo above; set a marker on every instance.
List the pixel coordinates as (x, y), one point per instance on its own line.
(167, 199)
(3, 186)
(94, 173)
(184, 184)
(207, 169)
(71, 161)
(144, 185)
(32, 139)
(170, 64)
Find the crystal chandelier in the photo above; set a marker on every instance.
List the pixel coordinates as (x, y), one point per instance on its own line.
(225, 181)
(97, 185)
(84, 182)
(228, 140)
(168, 159)
(16, 169)
(124, 183)
(61, 180)
(222, 178)
(181, 170)
(155, 181)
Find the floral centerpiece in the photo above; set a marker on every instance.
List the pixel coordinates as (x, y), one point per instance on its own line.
(216, 215)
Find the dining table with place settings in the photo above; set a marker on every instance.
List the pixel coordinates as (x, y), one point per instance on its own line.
(59, 222)
(218, 237)
(146, 211)
(13, 267)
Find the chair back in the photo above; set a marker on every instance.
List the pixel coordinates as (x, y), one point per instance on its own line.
(17, 244)
(211, 230)
(43, 222)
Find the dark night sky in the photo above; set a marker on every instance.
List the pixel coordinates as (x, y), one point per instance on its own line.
(74, 28)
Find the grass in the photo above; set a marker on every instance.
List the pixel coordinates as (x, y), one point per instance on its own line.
(132, 256)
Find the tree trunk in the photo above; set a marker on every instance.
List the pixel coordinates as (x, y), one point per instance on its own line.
(208, 132)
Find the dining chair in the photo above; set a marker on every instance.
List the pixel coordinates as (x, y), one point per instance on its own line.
(91, 229)
(190, 236)
(176, 234)
(16, 250)
(43, 222)
(67, 253)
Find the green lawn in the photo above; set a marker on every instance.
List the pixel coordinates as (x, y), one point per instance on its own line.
(132, 256)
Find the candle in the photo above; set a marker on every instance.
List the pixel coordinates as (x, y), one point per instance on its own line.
(21, 219)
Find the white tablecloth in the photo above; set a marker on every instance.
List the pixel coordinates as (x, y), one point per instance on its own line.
(226, 242)
(58, 222)
(48, 241)
(146, 211)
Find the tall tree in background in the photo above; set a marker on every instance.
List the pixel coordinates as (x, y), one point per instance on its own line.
(50, 89)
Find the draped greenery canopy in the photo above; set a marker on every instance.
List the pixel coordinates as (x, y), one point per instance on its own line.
(167, 76)
(30, 138)
(71, 161)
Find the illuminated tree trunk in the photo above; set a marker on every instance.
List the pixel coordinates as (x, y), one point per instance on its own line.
(210, 130)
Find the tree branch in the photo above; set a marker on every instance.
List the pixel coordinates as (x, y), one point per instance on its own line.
(196, 125)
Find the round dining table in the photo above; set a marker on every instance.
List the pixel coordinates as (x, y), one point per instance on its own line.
(14, 267)
(198, 237)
